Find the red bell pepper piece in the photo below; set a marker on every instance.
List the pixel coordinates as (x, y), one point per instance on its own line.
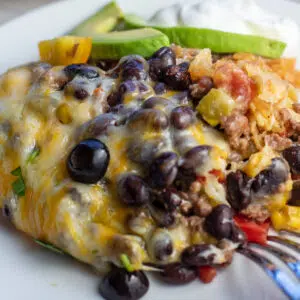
(255, 232)
(207, 273)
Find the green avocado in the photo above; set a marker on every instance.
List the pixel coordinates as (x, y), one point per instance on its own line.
(216, 40)
(103, 21)
(117, 44)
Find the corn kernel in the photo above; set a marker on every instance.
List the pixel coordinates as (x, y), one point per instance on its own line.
(63, 114)
(278, 220)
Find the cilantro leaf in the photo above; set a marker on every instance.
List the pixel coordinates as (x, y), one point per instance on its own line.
(16, 172)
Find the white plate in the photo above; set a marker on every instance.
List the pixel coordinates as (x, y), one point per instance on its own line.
(29, 272)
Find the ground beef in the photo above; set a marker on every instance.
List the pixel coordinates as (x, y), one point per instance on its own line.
(184, 54)
(277, 142)
(291, 125)
(296, 107)
(195, 224)
(186, 207)
(201, 206)
(237, 130)
(257, 212)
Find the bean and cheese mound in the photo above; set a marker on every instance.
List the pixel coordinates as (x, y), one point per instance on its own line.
(181, 128)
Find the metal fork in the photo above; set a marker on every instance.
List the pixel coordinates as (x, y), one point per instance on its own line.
(290, 287)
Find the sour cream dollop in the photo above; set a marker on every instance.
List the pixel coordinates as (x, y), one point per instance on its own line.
(243, 16)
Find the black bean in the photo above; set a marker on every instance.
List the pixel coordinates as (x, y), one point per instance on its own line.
(160, 88)
(219, 222)
(116, 97)
(194, 158)
(176, 273)
(201, 88)
(237, 235)
(267, 181)
(171, 199)
(197, 256)
(177, 77)
(133, 191)
(120, 284)
(182, 117)
(142, 151)
(163, 170)
(151, 119)
(163, 218)
(160, 245)
(154, 102)
(166, 55)
(155, 69)
(88, 161)
(133, 68)
(185, 65)
(81, 94)
(99, 125)
(167, 200)
(83, 70)
(292, 156)
(238, 189)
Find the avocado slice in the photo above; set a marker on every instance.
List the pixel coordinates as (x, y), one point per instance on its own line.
(218, 41)
(103, 21)
(117, 44)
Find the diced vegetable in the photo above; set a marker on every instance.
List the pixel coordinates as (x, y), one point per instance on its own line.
(126, 263)
(215, 105)
(256, 233)
(286, 218)
(66, 50)
(63, 114)
(207, 273)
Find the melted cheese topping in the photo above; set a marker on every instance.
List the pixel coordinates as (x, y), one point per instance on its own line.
(87, 221)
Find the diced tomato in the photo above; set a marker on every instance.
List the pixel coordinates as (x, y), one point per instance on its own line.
(256, 233)
(201, 179)
(235, 82)
(219, 174)
(207, 273)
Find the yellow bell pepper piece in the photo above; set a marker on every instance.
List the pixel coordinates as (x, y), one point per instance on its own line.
(259, 161)
(287, 218)
(215, 105)
(66, 50)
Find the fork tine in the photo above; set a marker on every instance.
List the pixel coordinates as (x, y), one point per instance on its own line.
(290, 260)
(284, 241)
(281, 279)
(293, 233)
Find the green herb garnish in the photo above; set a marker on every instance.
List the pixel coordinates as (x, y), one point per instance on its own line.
(49, 246)
(16, 172)
(18, 185)
(126, 263)
(34, 153)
